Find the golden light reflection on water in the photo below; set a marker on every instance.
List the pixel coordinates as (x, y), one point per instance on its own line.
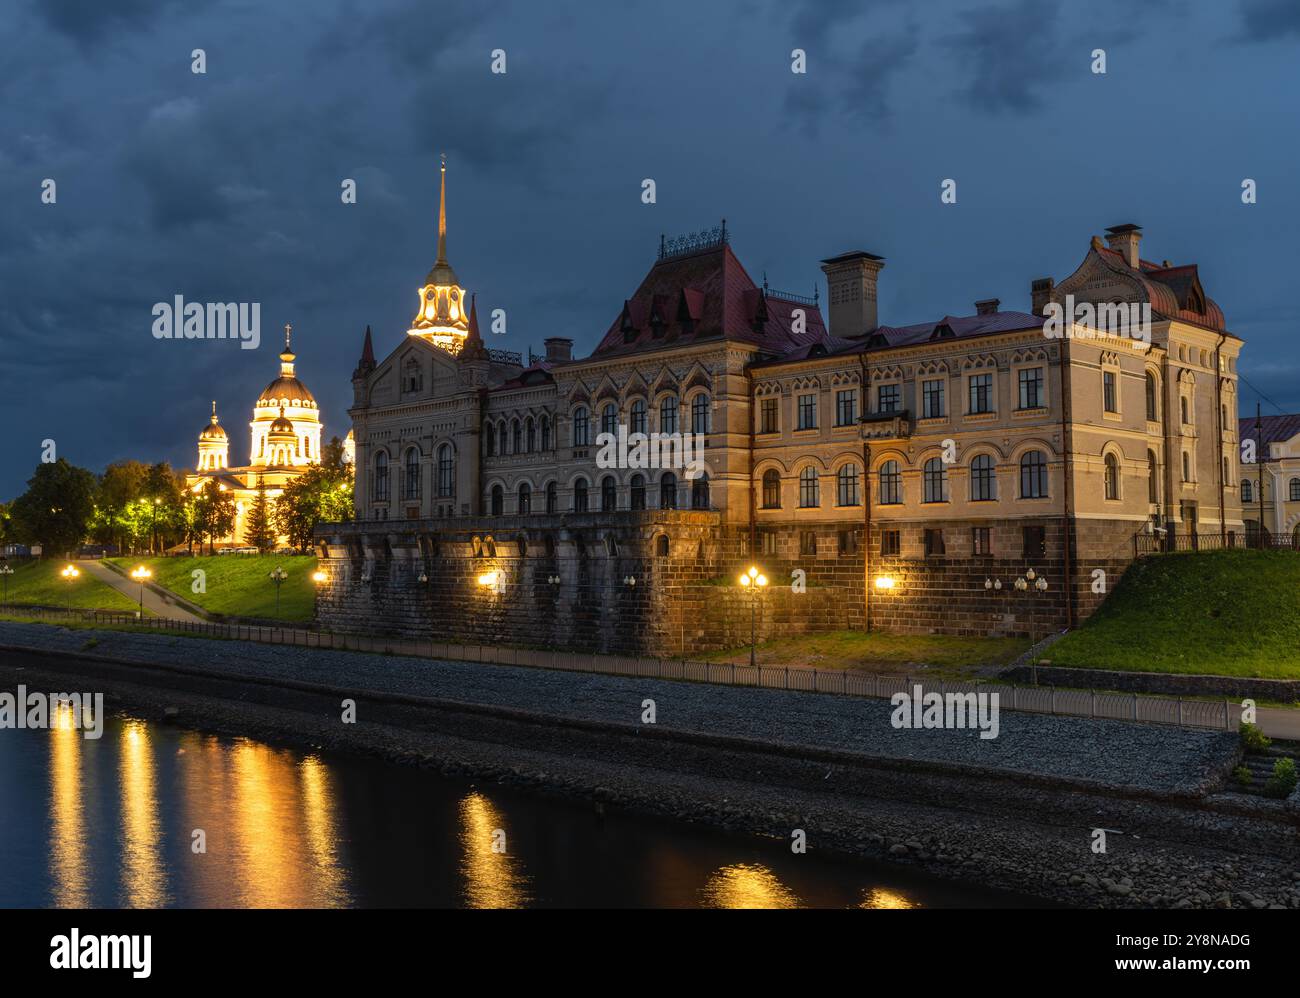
(493, 879)
(143, 875)
(746, 885)
(318, 811)
(67, 824)
(880, 897)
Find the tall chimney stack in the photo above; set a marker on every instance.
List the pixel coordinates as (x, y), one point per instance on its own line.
(1040, 293)
(851, 281)
(559, 349)
(1124, 239)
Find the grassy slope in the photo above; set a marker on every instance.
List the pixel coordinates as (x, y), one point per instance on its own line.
(1228, 613)
(878, 652)
(238, 584)
(39, 582)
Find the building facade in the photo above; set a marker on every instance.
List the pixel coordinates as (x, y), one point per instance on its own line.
(901, 477)
(285, 435)
(1270, 479)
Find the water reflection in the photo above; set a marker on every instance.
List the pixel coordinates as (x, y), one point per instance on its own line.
(320, 819)
(747, 885)
(880, 897)
(493, 878)
(69, 888)
(143, 876)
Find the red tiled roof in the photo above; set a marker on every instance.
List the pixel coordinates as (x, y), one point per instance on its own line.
(1169, 289)
(707, 295)
(537, 373)
(1274, 429)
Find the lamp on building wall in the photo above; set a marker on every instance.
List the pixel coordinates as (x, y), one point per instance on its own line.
(885, 583)
(319, 577)
(754, 581)
(553, 580)
(422, 578)
(488, 580)
(629, 580)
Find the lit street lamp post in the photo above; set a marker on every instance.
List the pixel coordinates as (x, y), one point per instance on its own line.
(1037, 583)
(141, 573)
(754, 582)
(5, 572)
(278, 577)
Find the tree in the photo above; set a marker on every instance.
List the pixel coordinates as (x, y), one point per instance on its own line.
(259, 528)
(164, 492)
(321, 494)
(213, 514)
(56, 509)
(121, 486)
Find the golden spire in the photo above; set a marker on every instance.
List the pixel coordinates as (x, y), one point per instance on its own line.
(442, 215)
(214, 412)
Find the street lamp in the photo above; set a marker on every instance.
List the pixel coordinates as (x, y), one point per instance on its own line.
(5, 572)
(71, 572)
(278, 577)
(140, 573)
(754, 581)
(319, 577)
(1038, 584)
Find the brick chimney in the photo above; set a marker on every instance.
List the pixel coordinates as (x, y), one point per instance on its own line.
(558, 349)
(851, 280)
(988, 306)
(1040, 293)
(1125, 239)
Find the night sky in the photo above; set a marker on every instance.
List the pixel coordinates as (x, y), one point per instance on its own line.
(226, 186)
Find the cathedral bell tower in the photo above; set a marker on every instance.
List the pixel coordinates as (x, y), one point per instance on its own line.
(443, 316)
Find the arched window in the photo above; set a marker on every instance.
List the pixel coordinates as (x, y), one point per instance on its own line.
(668, 414)
(638, 491)
(891, 484)
(517, 437)
(503, 439)
(1033, 475)
(446, 472)
(381, 476)
(846, 485)
(581, 426)
(700, 492)
(771, 489)
(1153, 477)
(498, 500)
(552, 498)
(809, 488)
(1247, 491)
(934, 480)
(1294, 490)
(546, 433)
(491, 437)
(608, 494)
(525, 499)
(700, 409)
(668, 491)
(639, 421)
(530, 435)
(1112, 476)
(983, 481)
(580, 496)
(661, 546)
(1153, 409)
(411, 486)
(609, 419)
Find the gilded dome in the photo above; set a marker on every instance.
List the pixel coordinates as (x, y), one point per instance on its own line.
(213, 430)
(286, 388)
(281, 426)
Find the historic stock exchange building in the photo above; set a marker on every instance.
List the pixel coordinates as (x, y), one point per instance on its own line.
(892, 476)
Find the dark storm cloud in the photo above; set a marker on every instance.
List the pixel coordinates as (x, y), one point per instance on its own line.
(89, 22)
(1009, 53)
(1270, 20)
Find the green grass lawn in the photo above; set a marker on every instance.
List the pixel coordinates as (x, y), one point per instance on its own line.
(39, 583)
(887, 653)
(1224, 613)
(238, 585)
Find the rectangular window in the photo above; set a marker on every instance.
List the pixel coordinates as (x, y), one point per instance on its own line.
(767, 541)
(981, 393)
(1108, 391)
(890, 542)
(1031, 387)
(807, 412)
(768, 416)
(808, 542)
(888, 398)
(933, 542)
(981, 541)
(1035, 542)
(932, 399)
(848, 540)
(846, 407)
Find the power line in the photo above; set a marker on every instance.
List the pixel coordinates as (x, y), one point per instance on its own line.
(1260, 394)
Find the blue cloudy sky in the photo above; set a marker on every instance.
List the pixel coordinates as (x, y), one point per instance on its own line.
(225, 186)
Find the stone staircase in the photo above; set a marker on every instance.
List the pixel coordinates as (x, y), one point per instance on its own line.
(1260, 765)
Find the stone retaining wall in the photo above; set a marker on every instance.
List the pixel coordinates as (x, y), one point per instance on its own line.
(1285, 690)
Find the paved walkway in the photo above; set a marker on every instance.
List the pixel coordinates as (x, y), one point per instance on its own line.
(131, 590)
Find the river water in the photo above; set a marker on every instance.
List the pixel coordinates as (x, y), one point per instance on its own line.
(118, 821)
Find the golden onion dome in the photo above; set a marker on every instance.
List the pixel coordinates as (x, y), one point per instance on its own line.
(281, 426)
(214, 430)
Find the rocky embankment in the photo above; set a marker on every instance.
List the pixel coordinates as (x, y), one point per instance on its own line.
(1020, 812)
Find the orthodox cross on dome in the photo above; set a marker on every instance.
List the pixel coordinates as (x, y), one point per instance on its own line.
(288, 330)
